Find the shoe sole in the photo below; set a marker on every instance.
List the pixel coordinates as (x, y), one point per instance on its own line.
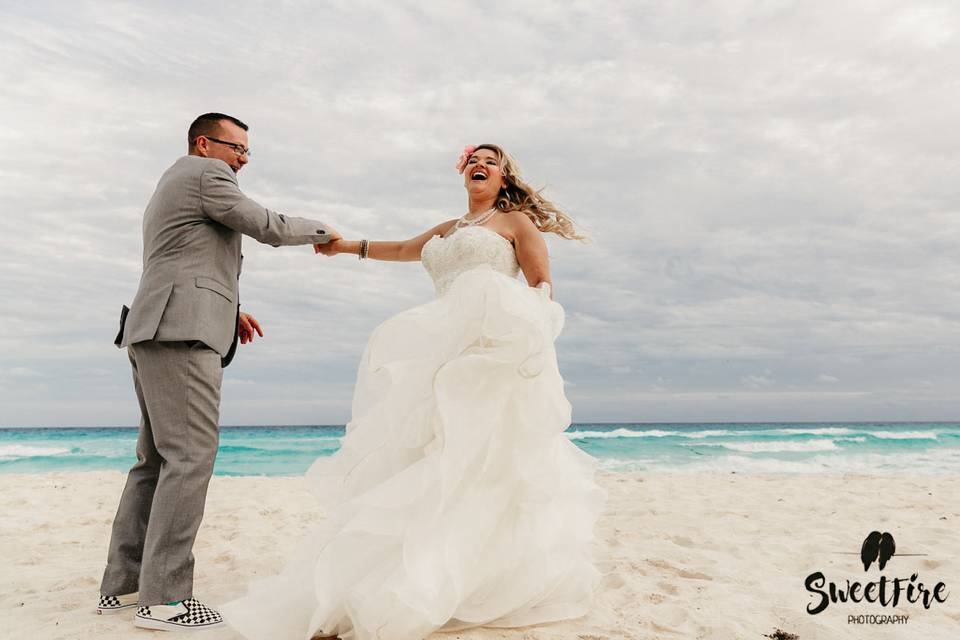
(163, 625)
(112, 610)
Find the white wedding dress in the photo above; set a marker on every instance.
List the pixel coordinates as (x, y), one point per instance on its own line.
(454, 500)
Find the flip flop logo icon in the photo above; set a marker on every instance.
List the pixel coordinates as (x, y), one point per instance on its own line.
(878, 547)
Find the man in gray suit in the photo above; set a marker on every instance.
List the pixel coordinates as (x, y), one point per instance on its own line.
(181, 330)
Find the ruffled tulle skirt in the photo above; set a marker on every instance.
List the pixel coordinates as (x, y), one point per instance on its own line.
(454, 500)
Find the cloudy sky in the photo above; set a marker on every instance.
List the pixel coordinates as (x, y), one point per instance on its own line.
(771, 189)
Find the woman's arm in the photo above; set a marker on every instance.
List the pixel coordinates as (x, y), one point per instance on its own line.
(531, 250)
(394, 250)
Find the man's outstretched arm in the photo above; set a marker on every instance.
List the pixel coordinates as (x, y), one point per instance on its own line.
(222, 200)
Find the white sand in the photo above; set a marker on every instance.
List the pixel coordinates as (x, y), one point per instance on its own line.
(685, 556)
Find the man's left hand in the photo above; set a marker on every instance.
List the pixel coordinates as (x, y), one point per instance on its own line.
(247, 325)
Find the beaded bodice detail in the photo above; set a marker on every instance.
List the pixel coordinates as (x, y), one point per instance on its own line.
(468, 248)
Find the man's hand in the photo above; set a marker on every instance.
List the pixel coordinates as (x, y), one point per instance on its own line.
(334, 237)
(331, 248)
(246, 326)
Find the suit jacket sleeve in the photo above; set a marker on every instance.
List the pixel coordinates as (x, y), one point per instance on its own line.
(222, 200)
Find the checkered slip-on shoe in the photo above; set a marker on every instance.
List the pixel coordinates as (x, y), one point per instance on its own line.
(116, 604)
(188, 615)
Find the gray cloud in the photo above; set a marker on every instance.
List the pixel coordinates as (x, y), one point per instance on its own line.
(771, 190)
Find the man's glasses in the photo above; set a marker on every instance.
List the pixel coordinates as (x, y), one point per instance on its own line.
(238, 149)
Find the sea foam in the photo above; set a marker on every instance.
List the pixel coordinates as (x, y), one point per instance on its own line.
(775, 446)
(15, 451)
(904, 435)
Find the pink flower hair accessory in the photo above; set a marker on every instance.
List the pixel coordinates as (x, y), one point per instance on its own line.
(462, 160)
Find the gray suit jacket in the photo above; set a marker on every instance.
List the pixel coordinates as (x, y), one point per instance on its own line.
(192, 227)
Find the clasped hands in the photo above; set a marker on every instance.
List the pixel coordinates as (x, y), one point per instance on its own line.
(330, 247)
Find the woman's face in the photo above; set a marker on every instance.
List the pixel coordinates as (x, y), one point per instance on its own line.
(482, 177)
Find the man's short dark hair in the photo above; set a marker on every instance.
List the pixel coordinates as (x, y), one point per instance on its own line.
(209, 125)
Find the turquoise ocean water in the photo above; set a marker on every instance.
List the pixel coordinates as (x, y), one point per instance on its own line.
(875, 447)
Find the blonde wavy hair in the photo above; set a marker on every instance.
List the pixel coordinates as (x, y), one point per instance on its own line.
(517, 195)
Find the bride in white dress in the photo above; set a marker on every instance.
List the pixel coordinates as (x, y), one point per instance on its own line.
(455, 500)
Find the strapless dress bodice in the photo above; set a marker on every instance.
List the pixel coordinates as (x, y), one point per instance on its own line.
(445, 258)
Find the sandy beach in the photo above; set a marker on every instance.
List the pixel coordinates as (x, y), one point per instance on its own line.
(684, 555)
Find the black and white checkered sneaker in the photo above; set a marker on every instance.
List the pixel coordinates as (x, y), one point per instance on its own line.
(187, 614)
(116, 604)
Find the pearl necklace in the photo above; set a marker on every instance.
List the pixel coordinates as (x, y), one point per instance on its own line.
(483, 217)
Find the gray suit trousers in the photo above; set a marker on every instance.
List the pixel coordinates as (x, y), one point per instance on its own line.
(151, 547)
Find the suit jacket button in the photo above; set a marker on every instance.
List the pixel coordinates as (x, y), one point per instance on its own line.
(321, 232)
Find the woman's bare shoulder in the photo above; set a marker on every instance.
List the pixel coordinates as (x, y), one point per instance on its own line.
(518, 221)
